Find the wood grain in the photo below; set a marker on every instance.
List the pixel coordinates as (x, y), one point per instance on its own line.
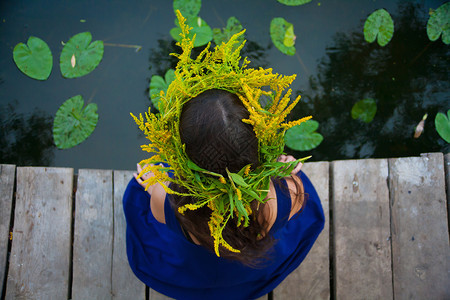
(125, 285)
(420, 244)
(92, 247)
(7, 174)
(311, 280)
(362, 229)
(40, 255)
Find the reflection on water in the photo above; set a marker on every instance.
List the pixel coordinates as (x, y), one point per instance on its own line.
(407, 78)
(25, 140)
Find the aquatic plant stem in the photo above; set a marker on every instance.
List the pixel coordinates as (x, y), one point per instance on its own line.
(137, 47)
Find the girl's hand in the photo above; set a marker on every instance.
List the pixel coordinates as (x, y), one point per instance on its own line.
(144, 177)
(289, 158)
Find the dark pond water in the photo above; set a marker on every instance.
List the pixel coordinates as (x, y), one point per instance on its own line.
(335, 66)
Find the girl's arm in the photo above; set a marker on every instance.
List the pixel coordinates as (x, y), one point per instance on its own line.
(157, 195)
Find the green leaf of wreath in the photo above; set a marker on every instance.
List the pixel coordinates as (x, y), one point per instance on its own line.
(238, 179)
(34, 59)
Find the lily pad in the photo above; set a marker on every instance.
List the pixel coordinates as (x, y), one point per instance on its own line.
(289, 37)
(442, 124)
(188, 8)
(73, 124)
(364, 110)
(223, 36)
(380, 26)
(34, 59)
(303, 137)
(158, 84)
(200, 28)
(281, 32)
(439, 22)
(79, 56)
(294, 2)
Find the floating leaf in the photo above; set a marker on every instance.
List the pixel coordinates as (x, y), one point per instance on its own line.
(72, 123)
(278, 33)
(294, 2)
(34, 59)
(158, 84)
(188, 8)
(303, 137)
(233, 27)
(87, 55)
(364, 110)
(442, 124)
(379, 24)
(439, 22)
(203, 33)
(289, 37)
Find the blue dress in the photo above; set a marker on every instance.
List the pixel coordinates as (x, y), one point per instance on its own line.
(162, 257)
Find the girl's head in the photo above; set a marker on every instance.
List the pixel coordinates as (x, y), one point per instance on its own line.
(215, 137)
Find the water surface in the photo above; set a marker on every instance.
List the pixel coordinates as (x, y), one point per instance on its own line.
(335, 67)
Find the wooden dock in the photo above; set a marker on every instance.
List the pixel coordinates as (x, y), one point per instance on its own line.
(62, 236)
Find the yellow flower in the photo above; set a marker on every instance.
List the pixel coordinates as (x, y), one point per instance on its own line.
(247, 170)
(239, 194)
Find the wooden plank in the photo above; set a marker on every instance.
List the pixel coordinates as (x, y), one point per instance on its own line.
(7, 173)
(361, 229)
(420, 244)
(447, 183)
(311, 280)
(125, 285)
(154, 295)
(92, 247)
(40, 255)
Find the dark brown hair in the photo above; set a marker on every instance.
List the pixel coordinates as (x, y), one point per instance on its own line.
(215, 138)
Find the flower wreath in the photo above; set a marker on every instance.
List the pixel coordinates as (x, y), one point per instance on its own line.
(228, 197)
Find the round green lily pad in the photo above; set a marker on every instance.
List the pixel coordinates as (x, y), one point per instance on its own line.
(200, 28)
(303, 137)
(442, 124)
(439, 22)
(79, 56)
(379, 25)
(34, 59)
(282, 34)
(223, 36)
(294, 2)
(73, 124)
(188, 8)
(158, 84)
(364, 110)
